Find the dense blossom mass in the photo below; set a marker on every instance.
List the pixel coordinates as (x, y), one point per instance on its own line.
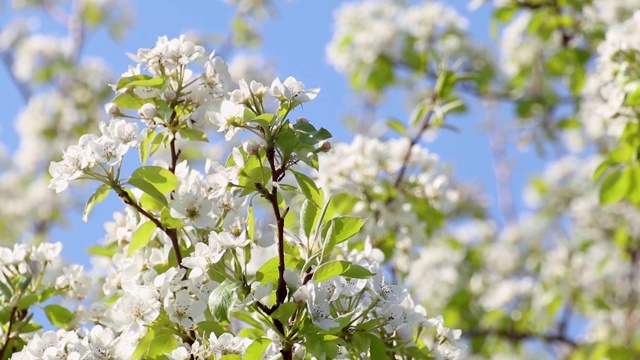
(245, 231)
(207, 223)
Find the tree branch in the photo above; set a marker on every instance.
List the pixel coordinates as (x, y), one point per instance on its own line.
(281, 292)
(25, 91)
(518, 336)
(416, 138)
(7, 341)
(171, 233)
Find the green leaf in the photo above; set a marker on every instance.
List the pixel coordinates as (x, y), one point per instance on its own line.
(378, 350)
(104, 251)
(143, 345)
(444, 83)
(264, 120)
(246, 318)
(622, 237)
(360, 342)
(287, 187)
(625, 152)
(92, 14)
(6, 291)
(149, 344)
(345, 227)
(418, 353)
(144, 146)
(256, 349)
(162, 179)
(569, 123)
(251, 223)
(307, 133)
(169, 221)
(162, 344)
(129, 79)
(157, 141)
(47, 294)
(308, 215)
(58, 315)
(100, 194)
(26, 301)
(230, 357)
(140, 80)
(504, 14)
(149, 189)
(221, 299)
(601, 169)
(634, 193)
(141, 237)
(25, 328)
(268, 272)
(166, 111)
(129, 100)
(309, 189)
(378, 76)
(368, 325)
(287, 139)
(340, 204)
(24, 280)
(329, 240)
(211, 327)
(150, 203)
(418, 114)
(357, 272)
(193, 134)
(615, 186)
(285, 311)
(633, 98)
(339, 268)
(576, 79)
(397, 126)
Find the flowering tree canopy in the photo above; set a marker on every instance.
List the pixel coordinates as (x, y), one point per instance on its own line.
(283, 243)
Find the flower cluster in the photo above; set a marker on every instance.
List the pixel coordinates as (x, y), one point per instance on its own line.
(106, 151)
(368, 169)
(367, 31)
(382, 43)
(187, 261)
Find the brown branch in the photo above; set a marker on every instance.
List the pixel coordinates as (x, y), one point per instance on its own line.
(518, 336)
(7, 341)
(281, 292)
(171, 233)
(416, 138)
(501, 165)
(23, 88)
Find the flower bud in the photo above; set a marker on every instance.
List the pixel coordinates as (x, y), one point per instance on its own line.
(250, 146)
(148, 111)
(292, 279)
(302, 120)
(404, 332)
(111, 109)
(300, 296)
(169, 94)
(324, 146)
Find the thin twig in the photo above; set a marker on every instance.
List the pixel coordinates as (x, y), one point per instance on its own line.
(501, 166)
(518, 336)
(171, 233)
(281, 292)
(416, 138)
(23, 88)
(7, 341)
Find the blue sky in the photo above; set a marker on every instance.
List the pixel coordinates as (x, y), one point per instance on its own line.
(295, 39)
